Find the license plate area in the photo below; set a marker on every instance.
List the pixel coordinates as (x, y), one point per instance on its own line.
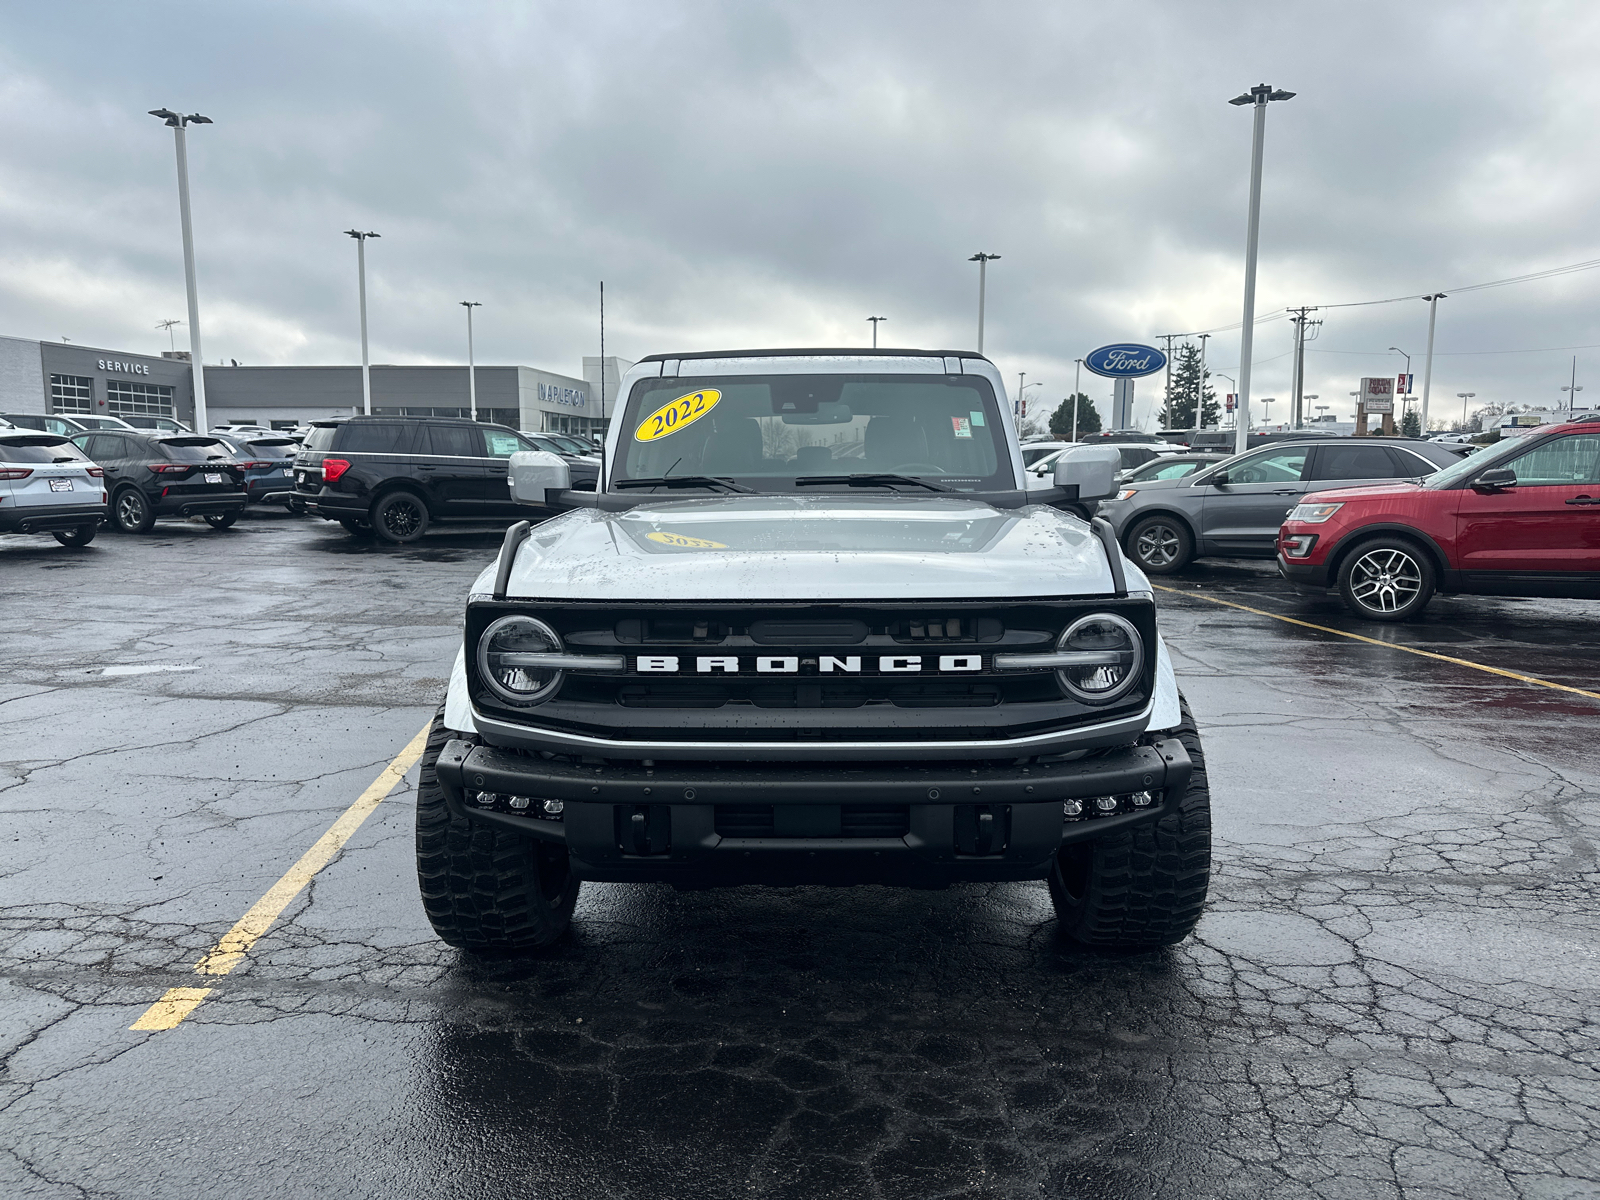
(61, 485)
(213, 477)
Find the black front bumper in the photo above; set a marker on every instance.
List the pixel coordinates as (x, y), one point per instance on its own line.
(636, 823)
(49, 518)
(1306, 575)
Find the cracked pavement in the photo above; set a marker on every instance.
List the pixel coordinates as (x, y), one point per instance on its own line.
(1393, 993)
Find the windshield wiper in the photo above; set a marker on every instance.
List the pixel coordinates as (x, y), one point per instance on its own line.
(879, 479)
(676, 481)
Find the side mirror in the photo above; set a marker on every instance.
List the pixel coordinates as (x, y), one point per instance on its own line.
(1496, 479)
(1089, 472)
(536, 474)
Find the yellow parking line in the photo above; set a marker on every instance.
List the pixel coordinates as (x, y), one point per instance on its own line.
(1356, 637)
(178, 1003)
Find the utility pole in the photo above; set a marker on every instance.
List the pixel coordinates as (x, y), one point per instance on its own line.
(1167, 337)
(472, 368)
(1427, 363)
(875, 321)
(361, 283)
(1573, 389)
(602, 354)
(1200, 396)
(983, 260)
(1257, 97)
(1077, 374)
(1300, 362)
(197, 367)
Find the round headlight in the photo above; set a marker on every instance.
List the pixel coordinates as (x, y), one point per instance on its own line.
(1113, 654)
(508, 660)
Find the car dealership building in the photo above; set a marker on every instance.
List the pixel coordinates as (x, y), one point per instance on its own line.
(58, 377)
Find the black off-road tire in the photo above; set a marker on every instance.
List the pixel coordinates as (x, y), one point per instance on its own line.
(485, 888)
(132, 512)
(1160, 544)
(76, 538)
(1387, 579)
(1146, 886)
(222, 520)
(399, 517)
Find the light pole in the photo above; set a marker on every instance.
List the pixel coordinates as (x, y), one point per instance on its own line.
(1464, 397)
(1258, 98)
(1573, 389)
(1321, 408)
(1022, 403)
(1427, 365)
(197, 366)
(983, 260)
(472, 368)
(1266, 404)
(1200, 396)
(1077, 374)
(875, 321)
(1313, 396)
(361, 286)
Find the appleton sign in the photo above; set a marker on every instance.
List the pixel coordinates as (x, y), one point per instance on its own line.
(823, 664)
(1125, 360)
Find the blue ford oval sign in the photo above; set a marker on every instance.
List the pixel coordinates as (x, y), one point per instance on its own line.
(1125, 360)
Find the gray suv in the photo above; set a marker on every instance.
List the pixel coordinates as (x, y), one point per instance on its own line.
(1235, 508)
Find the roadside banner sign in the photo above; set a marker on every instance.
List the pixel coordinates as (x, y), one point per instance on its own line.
(1377, 396)
(1125, 360)
(1404, 382)
(1231, 402)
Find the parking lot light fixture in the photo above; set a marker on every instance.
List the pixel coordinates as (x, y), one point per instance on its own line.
(983, 260)
(1258, 98)
(1427, 363)
(472, 369)
(179, 124)
(361, 285)
(875, 321)
(1464, 397)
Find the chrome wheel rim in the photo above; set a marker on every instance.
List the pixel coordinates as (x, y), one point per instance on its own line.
(130, 510)
(402, 518)
(1157, 545)
(1386, 580)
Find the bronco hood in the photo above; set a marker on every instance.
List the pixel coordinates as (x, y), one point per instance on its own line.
(777, 548)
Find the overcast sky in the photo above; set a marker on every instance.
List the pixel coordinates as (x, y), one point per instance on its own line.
(749, 174)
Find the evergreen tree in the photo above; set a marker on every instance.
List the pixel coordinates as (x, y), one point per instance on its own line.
(1411, 424)
(1061, 419)
(1186, 386)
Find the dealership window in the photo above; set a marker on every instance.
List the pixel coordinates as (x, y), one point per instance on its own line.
(71, 394)
(125, 399)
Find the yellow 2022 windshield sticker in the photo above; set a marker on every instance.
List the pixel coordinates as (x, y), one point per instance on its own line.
(683, 542)
(670, 418)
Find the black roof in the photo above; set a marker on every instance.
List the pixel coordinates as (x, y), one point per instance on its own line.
(847, 351)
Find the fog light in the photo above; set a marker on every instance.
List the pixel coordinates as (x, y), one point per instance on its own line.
(554, 808)
(519, 802)
(1299, 545)
(1142, 799)
(1072, 808)
(1106, 804)
(486, 799)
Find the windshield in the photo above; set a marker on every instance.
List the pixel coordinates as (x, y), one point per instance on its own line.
(1449, 477)
(39, 449)
(768, 431)
(1164, 470)
(194, 449)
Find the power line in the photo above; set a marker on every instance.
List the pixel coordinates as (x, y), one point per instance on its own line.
(1463, 353)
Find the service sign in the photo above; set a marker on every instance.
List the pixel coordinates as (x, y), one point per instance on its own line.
(1125, 360)
(1377, 396)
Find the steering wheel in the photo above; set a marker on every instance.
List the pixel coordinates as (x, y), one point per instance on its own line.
(916, 468)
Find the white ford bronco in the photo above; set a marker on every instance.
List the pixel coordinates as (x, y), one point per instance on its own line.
(812, 628)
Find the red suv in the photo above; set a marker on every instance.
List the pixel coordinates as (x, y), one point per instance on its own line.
(1520, 519)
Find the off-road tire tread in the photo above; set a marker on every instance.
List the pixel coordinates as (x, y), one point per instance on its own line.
(1146, 886)
(480, 885)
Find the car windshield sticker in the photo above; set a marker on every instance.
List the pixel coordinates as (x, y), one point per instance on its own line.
(685, 543)
(963, 426)
(670, 418)
(503, 445)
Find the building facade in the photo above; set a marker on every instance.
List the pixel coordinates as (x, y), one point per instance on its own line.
(52, 377)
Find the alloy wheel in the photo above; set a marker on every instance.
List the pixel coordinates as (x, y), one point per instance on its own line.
(403, 518)
(1156, 545)
(130, 510)
(1385, 580)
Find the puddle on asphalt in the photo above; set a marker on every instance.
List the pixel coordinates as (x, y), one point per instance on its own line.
(142, 668)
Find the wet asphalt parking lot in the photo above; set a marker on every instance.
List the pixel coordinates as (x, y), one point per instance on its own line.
(1395, 991)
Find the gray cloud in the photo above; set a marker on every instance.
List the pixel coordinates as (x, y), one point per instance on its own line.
(770, 174)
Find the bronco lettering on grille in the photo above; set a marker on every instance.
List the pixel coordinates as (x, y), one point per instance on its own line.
(826, 664)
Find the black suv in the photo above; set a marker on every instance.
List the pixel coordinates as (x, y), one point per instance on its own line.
(394, 476)
(150, 475)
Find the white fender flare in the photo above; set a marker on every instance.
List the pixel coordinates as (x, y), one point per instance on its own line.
(457, 708)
